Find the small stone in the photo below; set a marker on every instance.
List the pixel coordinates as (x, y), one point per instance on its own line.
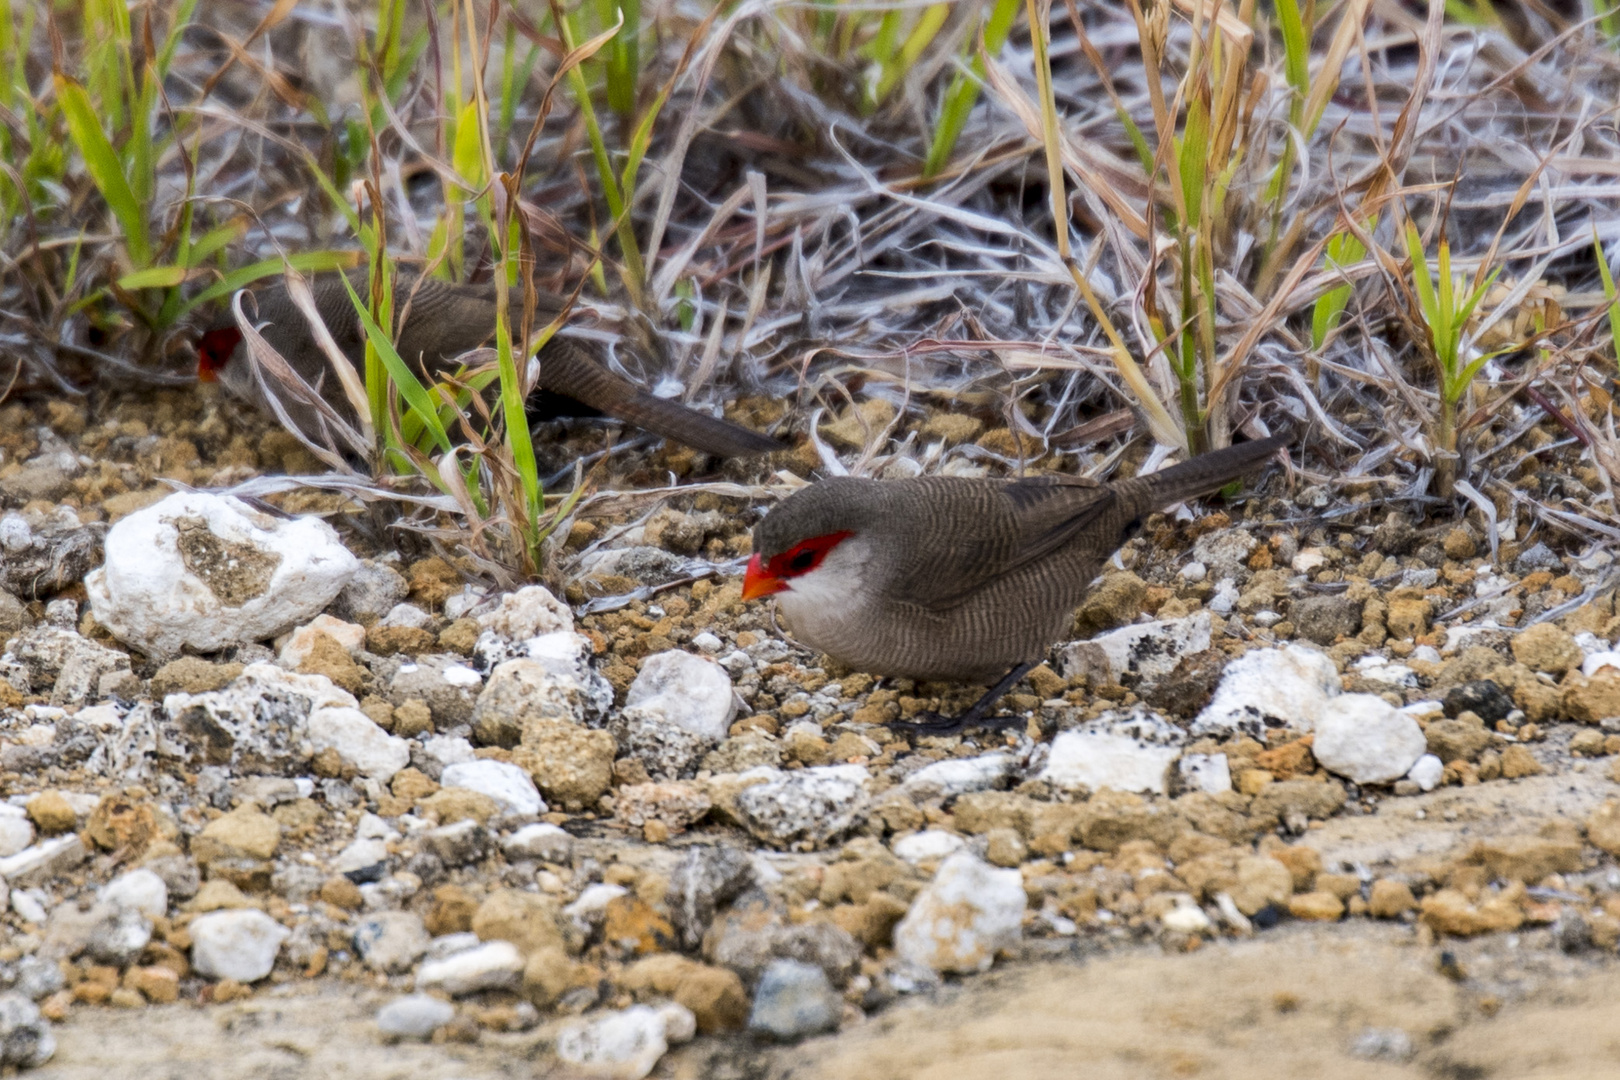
(26, 1040)
(494, 965)
(527, 613)
(622, 1045)
(51, 813)
(449, 688)
(1519, 762)
(1261, 882)
(684, 690)
(1462, 738)
(1005, 848)
(541, 842)
(961, 919)
(1547, 647)
(1209, 773)
(1449, 912)
(808, 806)
(191, 675)
(508, 785)
(631, 925)
(1325, 619)
(523, 690)
(1319, 906)
(459, 843)
(239, 945)
(1526, 858)
(1427, 772)
(159, 985)
(1603, 827)
(705, 878)
(1099, 759)
(452, 911)
(243, 834)
(927, 846)
(1365, 739)
(43, 861)
(1482, 697)
(139, 890)
(1266, 687)
(414, 1016)
(674, 805)
(341, 892)
(358, 742)
(572, 765)
(391, 941)
(794, 1000)
(527, 920)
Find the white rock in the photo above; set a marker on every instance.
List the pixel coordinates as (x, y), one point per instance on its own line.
(707, 642)
(494, 965)
(542, 841)
(1150, 649)
(622, 1045)
(1597, 661)
(926, 845)
(1307, 560)
(1266, 688)
(407, 616)
(367, 851)
(810, 805)
(527, 613)
(359, 742)
(296, 649)
(16, 831)
(1186, 917)
(1226, 597)
(794, 999)
(955, 776)
(44, 860)
(141, 890)
(680, 1025)
(1366, 739)
(1100, 759)
(961, 919)
(26, 1039)
(448, 750)
(414, 1016)
(28, 906)
(687, 691)
(1426, 772)
(591, 906)
(461, 675)
(206, 571)
(509, 785)
(1205, 772)
(391, 941)
(1194, 572)
(263, 715)
(240, 945)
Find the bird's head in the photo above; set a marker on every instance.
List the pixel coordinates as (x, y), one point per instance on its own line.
(813, 543)
(214, 350)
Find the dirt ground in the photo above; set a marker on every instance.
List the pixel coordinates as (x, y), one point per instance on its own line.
(1359, 999)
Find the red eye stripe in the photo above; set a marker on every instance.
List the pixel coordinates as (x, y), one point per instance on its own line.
(214, 350)
(804, 556)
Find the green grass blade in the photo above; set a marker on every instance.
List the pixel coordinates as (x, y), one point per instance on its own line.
(404, 379)
(106, 171)
(1609, 294)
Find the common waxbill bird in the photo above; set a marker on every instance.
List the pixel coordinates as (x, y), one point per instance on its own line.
(445, 320)
(950, 579)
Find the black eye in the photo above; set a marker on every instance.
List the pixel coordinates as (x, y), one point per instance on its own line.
(802, 561)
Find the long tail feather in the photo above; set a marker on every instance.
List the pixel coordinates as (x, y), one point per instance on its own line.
(1203, 474)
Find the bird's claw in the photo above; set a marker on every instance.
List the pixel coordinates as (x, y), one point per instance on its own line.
(937, 726)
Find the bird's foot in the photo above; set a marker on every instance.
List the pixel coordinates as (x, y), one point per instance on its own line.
(933, 724)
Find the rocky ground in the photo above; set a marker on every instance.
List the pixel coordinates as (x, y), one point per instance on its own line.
(1316, 787)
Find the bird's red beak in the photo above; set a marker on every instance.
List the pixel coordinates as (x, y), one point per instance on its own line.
(758, 581)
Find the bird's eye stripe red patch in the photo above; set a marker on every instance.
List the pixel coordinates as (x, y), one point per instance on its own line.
(782, 566)
(215, 347)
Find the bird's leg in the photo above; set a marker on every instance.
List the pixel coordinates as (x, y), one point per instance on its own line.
(977, 715)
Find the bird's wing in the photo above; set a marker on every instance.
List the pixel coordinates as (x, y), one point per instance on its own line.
(990, 529)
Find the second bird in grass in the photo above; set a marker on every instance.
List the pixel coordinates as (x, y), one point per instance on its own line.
(445, 320)
(951, 579)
